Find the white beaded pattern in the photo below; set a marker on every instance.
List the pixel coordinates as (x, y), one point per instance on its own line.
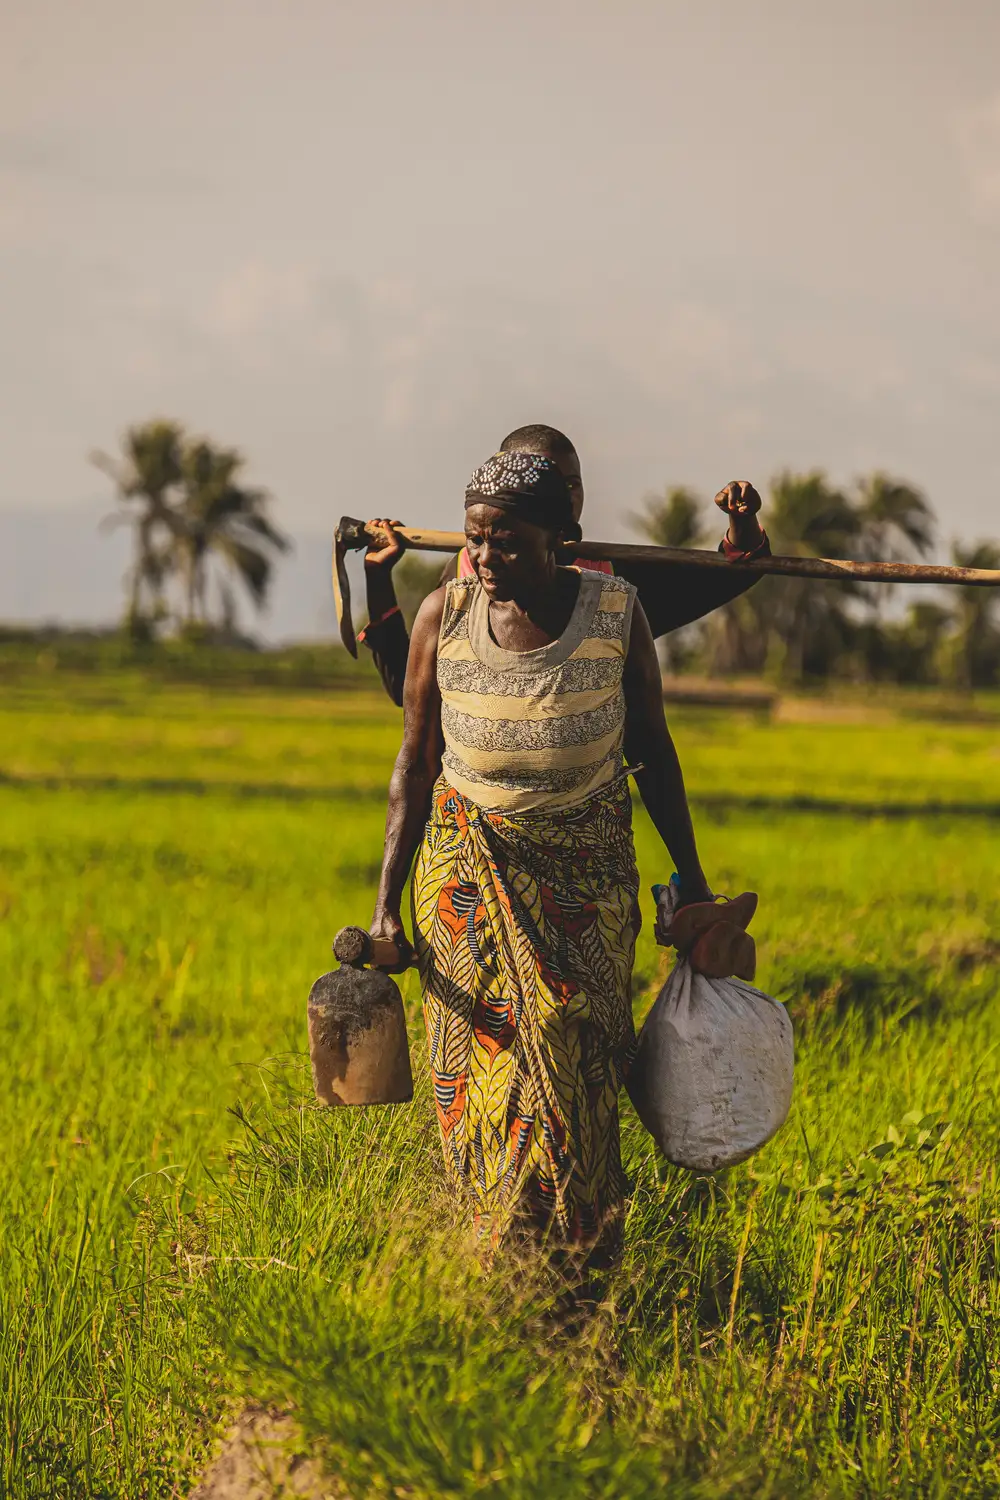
(509, 471)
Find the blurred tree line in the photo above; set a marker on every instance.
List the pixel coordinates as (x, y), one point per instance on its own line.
(198, 530)
(796, 629)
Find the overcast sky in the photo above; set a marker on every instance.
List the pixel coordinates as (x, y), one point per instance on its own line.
(363, 240)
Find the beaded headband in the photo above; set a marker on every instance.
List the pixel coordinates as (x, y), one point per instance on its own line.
(527, 485)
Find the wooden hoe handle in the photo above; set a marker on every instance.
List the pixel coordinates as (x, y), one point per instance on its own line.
(354, 946)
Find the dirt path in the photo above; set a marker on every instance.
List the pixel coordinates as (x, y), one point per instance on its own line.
(265, 1457)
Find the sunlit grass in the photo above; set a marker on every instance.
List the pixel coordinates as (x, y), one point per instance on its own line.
(120, 728)
(822, 1320)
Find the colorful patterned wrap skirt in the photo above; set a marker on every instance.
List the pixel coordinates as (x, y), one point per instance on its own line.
(525, 929)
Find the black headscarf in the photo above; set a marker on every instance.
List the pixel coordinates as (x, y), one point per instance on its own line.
(527, 485)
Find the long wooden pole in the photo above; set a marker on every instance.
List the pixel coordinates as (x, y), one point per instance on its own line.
(420, 539)
(352, 535)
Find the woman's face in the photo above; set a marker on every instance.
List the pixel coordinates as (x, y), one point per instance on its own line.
(507, 553)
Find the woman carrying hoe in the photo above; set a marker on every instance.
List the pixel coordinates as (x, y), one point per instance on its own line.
(530, 687)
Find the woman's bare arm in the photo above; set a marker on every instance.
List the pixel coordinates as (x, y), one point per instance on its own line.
(648, 742)
(418, 765)
(386, 635)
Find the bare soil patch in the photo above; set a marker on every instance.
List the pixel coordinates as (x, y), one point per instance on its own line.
(264, 1456)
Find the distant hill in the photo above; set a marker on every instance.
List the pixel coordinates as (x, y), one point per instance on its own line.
(57, 567)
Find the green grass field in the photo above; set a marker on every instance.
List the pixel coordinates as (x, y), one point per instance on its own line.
(184, 1231)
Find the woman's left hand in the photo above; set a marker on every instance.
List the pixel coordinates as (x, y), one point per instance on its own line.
(693, 890)
(741, 502)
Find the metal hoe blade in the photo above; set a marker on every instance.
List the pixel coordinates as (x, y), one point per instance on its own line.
(342, 594)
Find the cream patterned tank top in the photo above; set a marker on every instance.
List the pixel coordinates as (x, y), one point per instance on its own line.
(534, 729)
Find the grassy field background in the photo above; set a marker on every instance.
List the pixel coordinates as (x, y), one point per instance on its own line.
(184, 1231)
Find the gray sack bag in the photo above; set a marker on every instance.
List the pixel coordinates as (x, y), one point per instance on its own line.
(712, 1077)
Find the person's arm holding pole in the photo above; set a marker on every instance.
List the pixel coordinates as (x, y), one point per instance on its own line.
(385, 635)
(417, 767)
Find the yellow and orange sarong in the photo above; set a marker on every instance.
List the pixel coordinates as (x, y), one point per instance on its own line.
(525, 931)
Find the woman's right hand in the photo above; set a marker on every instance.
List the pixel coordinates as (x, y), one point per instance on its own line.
(386, 550)
(388, 926)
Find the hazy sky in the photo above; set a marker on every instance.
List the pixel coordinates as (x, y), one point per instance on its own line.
(363, 240)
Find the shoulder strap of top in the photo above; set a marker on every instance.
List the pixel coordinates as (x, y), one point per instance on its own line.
(458, 594)
(614, 612)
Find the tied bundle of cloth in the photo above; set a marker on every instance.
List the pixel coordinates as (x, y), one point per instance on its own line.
(712, 1076)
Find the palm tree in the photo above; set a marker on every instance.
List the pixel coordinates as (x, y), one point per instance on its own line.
(809, 624)
(896, 519)
(672, 519)
(146, 476)
(897, 525)
(975, 645)
(917, 642)
(223, 520)
(809, 518)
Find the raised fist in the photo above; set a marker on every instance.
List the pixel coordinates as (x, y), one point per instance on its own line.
(741, 502)
(738, 498)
